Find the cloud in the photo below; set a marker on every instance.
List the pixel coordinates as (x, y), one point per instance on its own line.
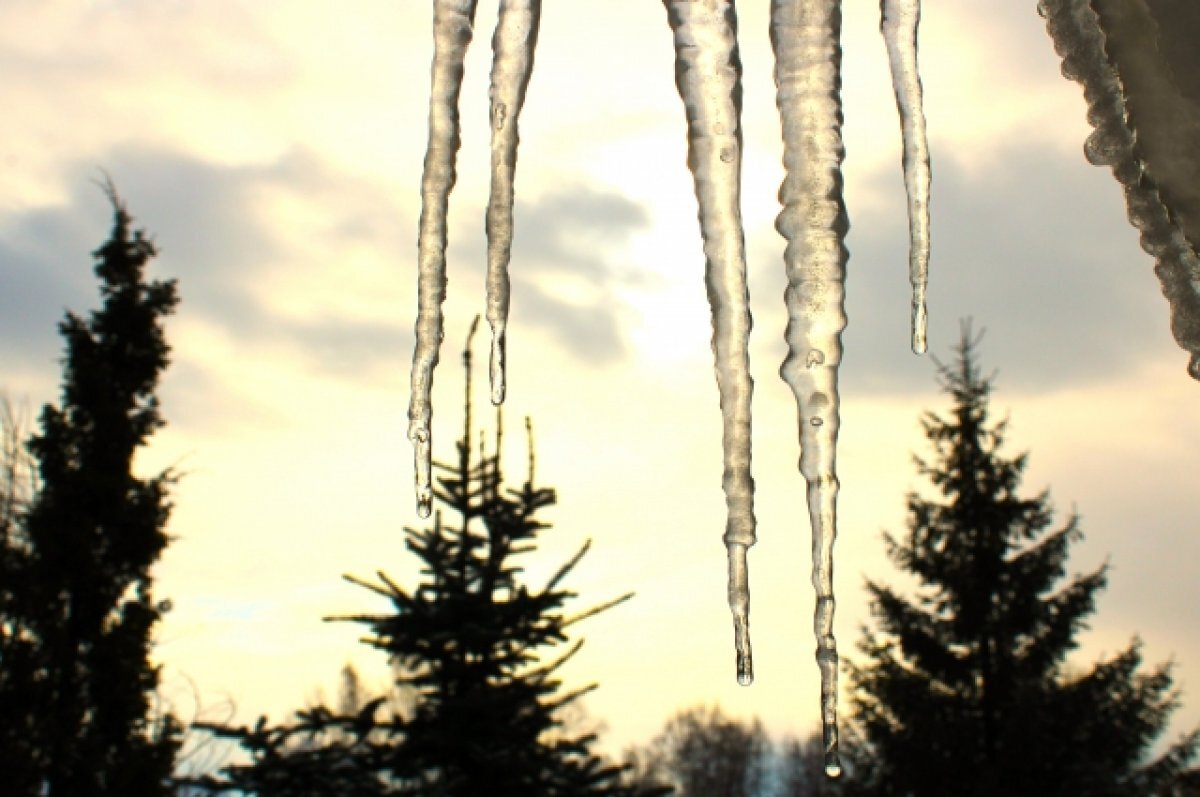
(1033, 245)
(565, 280)
(221, 233)
(40, 281)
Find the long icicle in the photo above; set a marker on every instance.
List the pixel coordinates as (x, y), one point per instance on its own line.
(453, 24)
(805, 37)
(513, 45)
(899, 22)
(708, 73)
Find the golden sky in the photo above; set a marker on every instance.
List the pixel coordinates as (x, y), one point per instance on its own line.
(274, 149)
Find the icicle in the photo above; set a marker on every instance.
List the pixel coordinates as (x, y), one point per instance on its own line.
(708, 72)
(513, 45)
(899, 22)
(453, 22)
(1079, 37)
(805, 37)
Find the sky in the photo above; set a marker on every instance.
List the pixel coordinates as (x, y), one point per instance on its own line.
(274, 151)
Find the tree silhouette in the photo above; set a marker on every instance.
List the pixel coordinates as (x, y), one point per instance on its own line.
(469, 640)
(965, 690)
(76, 606)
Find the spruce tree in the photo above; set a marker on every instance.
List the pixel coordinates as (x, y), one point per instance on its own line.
(76, 685)
(473, 635)
(965, 689)
(473, 643)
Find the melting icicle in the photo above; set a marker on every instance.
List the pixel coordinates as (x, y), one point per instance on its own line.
(708, 72)
(513, 45)
(453, 22)
(899, 22)
(1124, 143)
(805, 36)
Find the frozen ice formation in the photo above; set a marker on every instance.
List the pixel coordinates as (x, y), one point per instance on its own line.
(805, 35)
(513, 45)
(1140, 69)
(708, 72)
(899, 21)
(453, 25)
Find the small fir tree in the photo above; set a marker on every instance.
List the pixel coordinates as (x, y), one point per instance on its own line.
(468, 640)
(77, 611)
(965, 690)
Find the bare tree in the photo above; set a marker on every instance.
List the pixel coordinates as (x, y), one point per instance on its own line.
(704, 753)
(18, 475)
(801, 769)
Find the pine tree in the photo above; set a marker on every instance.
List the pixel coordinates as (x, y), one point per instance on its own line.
(966, 689)
(468, 641)
(76, 684)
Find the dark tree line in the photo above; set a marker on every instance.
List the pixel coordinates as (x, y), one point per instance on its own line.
(703, 752)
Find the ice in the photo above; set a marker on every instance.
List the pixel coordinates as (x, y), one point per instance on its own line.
(899, 22)
(805, 36)
(453, 24)
(513, 45)
(708, 72)
(1119, 142)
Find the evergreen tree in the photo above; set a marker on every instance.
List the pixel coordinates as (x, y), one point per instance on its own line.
(76, 609)
(966, 690)
(468, 640)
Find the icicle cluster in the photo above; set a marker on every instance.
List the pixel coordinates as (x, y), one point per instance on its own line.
(805, 36)
(1080, 39)
(513, 46)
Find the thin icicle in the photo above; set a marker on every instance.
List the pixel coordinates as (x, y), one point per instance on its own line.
(708, 72)
(805, 37)
(900, 19)
(453, 22)
(513, 45)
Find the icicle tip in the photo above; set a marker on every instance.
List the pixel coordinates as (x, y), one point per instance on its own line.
(739, 605)
(919, 323)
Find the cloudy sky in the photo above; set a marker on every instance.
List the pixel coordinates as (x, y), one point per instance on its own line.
(274, 150)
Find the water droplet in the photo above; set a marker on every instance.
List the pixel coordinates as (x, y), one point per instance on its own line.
(833, 769)
(727, 155)
(816, 421)
(424, 505)
(815, 357)
(499, 115)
